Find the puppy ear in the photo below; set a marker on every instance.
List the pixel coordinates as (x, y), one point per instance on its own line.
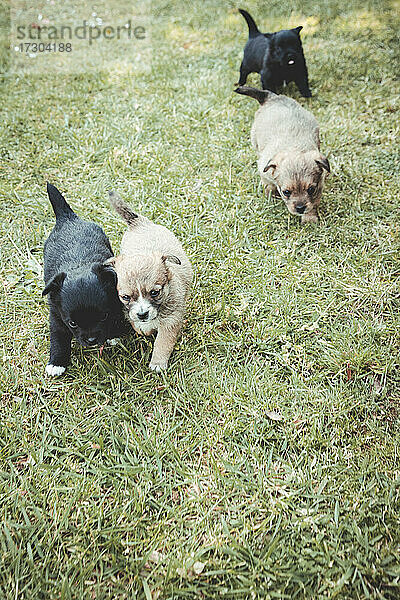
(105, 272)
(274, 162)
(110, 261)
(323, 162)
(171, 258)
(270, 165)
(297, 29)
(260, 95)
(55, 284)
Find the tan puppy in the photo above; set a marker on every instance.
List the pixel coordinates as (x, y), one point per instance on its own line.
(154, 277)
(286, 139)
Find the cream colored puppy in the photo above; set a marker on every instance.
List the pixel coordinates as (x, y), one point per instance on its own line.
(154, 277)
(286, 139)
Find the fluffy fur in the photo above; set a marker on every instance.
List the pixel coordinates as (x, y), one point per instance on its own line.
(81, 290)
(154, 277)
(278, 57)
(286, 139)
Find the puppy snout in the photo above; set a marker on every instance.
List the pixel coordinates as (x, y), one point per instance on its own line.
(300, 208)
(143, 315)
(91, 341)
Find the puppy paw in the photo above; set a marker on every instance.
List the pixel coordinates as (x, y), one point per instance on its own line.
(54, 370)
(309, 219)
(158, 366)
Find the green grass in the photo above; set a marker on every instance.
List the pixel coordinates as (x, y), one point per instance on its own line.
(265, 462)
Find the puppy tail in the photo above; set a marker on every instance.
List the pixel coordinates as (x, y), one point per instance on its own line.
(61, 208)
(260, 95)
(123, 209)
(253, 29)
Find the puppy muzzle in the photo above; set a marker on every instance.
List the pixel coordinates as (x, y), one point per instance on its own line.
(297, 207)
(89, 342)
(143, 316)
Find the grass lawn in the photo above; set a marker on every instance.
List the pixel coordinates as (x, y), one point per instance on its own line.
(265, 462)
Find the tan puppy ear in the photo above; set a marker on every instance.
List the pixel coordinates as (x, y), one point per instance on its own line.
(171, 258)
(323, 162)
(110, 261)
(270, 165)
(273, 163)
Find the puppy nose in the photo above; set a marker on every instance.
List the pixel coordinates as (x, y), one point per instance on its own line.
(143, 315)
(300, 208)
(91, 340)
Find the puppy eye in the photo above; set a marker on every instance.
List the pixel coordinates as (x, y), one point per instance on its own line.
(155, 293)
(311, 190)
(104, 318)
(286, 193)
(72, 324)
(125, 298)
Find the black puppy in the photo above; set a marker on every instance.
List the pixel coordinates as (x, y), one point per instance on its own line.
(278, 57)
(83, 299)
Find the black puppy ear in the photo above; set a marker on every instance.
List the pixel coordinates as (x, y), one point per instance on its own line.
(324, 163)
(105, 272)
(298, 29)
(55, 284)
(171, 258)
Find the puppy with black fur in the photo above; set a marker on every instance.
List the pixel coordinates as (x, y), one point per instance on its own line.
(278, 57)
(82, 292)
(154, 277)
(286, 139)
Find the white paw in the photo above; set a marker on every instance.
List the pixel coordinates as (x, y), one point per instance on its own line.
(158, 366)
(309, 219)
(113, 341)
(54, 371)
